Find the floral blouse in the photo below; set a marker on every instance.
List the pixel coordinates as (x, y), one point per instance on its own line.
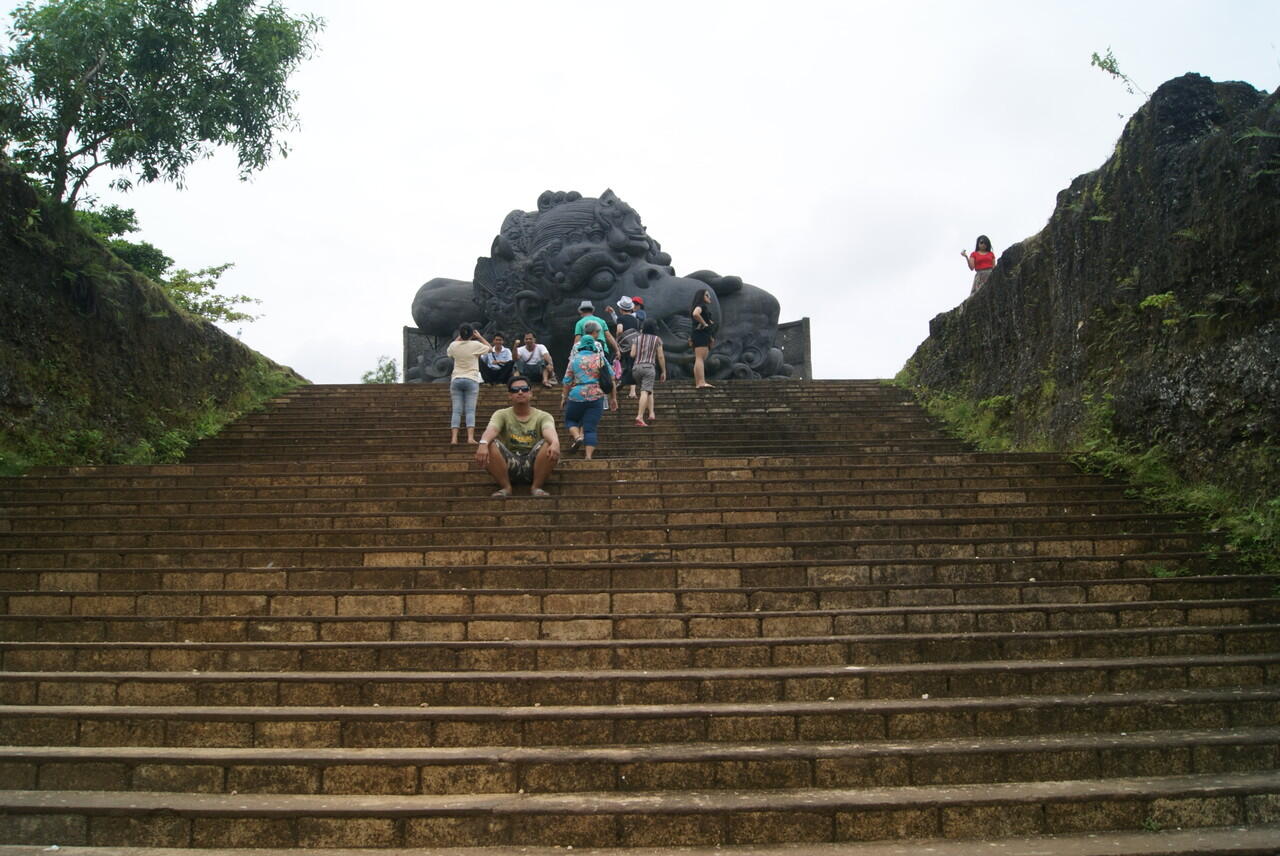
(583, 376)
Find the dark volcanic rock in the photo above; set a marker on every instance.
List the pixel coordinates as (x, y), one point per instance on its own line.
(1149, 305)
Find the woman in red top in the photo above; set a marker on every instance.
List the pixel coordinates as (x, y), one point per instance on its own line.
(981, 261)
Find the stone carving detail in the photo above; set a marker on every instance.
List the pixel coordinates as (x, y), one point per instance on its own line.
(543, 263)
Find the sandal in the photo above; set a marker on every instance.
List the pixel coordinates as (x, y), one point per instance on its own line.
(502, 494)
(642, 423)
(576, 444)
(537, 491)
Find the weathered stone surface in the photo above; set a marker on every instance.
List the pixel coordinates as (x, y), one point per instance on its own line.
(91, 348)
(1148, 305)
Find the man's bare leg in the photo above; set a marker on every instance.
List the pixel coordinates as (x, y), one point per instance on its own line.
(543, 467)
(496, 466)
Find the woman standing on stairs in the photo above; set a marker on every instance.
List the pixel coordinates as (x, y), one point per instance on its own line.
(701, 338)
(464, 383)
(582, 394)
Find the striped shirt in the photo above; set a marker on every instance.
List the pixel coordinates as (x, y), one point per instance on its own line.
(645, 348)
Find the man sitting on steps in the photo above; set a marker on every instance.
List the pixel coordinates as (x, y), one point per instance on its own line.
(495, 366)
(524, 438)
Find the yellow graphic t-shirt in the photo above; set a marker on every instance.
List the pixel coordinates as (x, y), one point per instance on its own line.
(519, 436)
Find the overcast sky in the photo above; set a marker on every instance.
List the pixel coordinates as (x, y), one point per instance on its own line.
(838, 154)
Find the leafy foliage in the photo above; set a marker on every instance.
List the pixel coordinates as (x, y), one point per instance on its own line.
(1109, 64)
(153, 441)
(1250, 528)
(386, 372)
(112, 221)
(1272, 166)
(194, 291)
(147, 87)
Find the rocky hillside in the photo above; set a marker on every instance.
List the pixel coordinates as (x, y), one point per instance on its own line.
(96, 363)
(1146, 314)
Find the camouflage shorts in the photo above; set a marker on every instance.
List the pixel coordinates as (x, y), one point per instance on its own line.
(520, 464)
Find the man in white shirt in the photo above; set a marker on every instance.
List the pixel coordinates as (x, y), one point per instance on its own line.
(534, 362)
(495, 366)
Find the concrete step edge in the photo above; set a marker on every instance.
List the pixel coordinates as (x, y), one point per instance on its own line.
(837, 707)
(726, 673)
(700, 642)
(654, 753)
(1257, 840)
(690, 802)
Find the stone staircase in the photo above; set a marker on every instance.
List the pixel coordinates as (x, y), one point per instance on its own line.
(786, 615)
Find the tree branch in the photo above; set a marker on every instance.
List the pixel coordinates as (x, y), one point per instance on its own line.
(82, 179)
(92, 145)
(89, 75)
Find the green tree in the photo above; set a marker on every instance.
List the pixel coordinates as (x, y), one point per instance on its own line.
(147, 87)
(112, 221)
(386, 372)
(194, 291)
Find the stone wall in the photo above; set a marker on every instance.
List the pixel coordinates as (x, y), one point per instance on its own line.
(96, 363)
(1149, 306)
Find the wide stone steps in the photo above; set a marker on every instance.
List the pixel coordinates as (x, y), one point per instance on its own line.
(455, 458)
(633, 654)
(462, 468)
(232, 552)
(633, 577)
(738, 594)
(790, 616)
(254, 623)
(619, 436)
(409, 530)
(1255, 840)
(746, 766)
(723, 504)
(312, 440)
(758, 684)
(375, 427)
(274, 516)
(465, 486)
(645, 819)
(716, 467)
(380, 726)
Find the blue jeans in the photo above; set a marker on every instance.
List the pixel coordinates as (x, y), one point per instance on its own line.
(463, 391)
(587, 414)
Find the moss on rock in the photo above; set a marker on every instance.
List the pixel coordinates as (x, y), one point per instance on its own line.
(97, 365)
(1144, 320)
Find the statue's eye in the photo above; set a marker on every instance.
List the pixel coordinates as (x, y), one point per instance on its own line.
(603, 279)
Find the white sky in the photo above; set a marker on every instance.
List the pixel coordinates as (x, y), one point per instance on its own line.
(838, 154)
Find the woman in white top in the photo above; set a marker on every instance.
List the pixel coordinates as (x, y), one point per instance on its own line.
(464, 384)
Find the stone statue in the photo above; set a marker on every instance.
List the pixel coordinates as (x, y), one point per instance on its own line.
(544, 263)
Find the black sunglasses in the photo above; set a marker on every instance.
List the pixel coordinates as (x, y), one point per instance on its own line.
(518, 389)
